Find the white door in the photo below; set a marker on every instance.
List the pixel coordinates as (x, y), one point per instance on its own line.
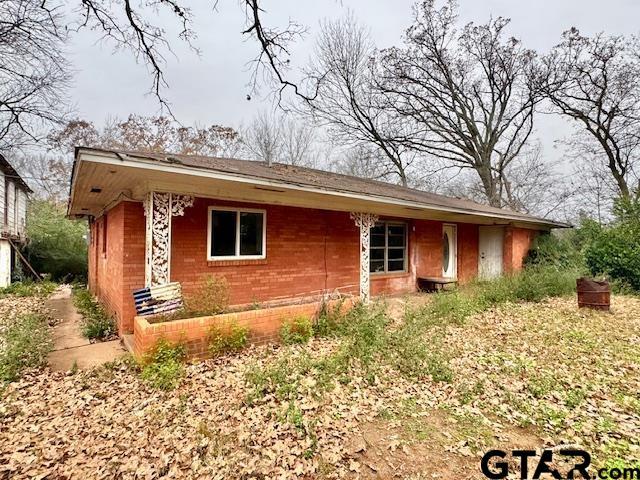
(449, 251)
(490, 252)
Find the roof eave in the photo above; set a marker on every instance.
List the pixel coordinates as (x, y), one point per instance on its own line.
(117, 158)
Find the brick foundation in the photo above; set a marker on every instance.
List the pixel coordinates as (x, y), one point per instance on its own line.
(263, 324)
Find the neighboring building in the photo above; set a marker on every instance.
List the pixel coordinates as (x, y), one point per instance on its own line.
(277, 232)
(13, 218)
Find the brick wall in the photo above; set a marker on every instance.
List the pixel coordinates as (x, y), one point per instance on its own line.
(119, 268)
(308, 251)
(517, 242)
(468, 234)
(106, 273)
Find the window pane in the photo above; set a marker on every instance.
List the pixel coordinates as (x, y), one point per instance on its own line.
(377, 240)
(396, 230)
(396, 254)
(396, 240)
(223, 233)
(376, 266)
(445, 252)
(377, 235)
(251, 233)
(396, 265)
(377, 254)
(378, 229)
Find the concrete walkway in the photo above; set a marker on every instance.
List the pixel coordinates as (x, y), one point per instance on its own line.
(69, 346)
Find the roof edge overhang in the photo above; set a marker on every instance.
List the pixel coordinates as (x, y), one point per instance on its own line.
(109, 157)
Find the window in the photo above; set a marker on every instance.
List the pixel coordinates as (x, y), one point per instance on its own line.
(388, 247)
(104, 235)
(236, 234)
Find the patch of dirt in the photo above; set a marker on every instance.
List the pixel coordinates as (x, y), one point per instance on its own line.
(385, 449)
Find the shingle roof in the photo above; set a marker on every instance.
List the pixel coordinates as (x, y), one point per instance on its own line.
(330, 181)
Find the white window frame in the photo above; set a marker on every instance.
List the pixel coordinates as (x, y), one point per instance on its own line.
(405, 268)
(237, 255)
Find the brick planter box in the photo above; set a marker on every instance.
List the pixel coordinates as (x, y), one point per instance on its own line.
(263, 324)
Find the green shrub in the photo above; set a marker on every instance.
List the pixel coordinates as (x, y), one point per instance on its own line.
(227, 337)
(614, 250)
(163, 367)
(532, 284)
(559, 251)
(27, 344)
(211, 298)
(96, 322)
(296, 330)
(29, 288)
(57, 245)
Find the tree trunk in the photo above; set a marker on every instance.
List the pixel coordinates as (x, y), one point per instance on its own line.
(489, 186)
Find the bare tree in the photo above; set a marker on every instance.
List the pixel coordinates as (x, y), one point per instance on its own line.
(470, 92)
(298, 143)
(363, 160)
(262, 138)
(148, 134)
(348, 102)
(33, 71)
(47, 174)
(278, 138)
(535, 186)
(50, 172)
(594, 81)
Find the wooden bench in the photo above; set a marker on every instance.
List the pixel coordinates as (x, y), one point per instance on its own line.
(433, 284)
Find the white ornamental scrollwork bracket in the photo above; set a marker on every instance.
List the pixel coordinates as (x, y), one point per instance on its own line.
(159, 208)
(365, 221)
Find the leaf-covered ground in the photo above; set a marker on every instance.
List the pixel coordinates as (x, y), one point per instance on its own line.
(520, 375)
(13, 307)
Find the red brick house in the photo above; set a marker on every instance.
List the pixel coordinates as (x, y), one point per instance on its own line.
(276, 232)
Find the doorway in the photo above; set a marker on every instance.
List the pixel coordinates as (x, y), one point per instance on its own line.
(449, 251)
(490, 245)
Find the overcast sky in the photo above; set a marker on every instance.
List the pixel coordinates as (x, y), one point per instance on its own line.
(212, 88)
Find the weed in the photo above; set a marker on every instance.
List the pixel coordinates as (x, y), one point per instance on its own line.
(212, 298)
(295, 416)
(574, 397)
(162, 367)
(29, 288)
(296, 330)
(540, 385)
(28, 343)
(227, 337)
(328, 319)
(439, 369)
(97, 323)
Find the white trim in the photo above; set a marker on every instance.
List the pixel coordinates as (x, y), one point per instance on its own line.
(454, 253)
(237, 255)
(127, 161)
